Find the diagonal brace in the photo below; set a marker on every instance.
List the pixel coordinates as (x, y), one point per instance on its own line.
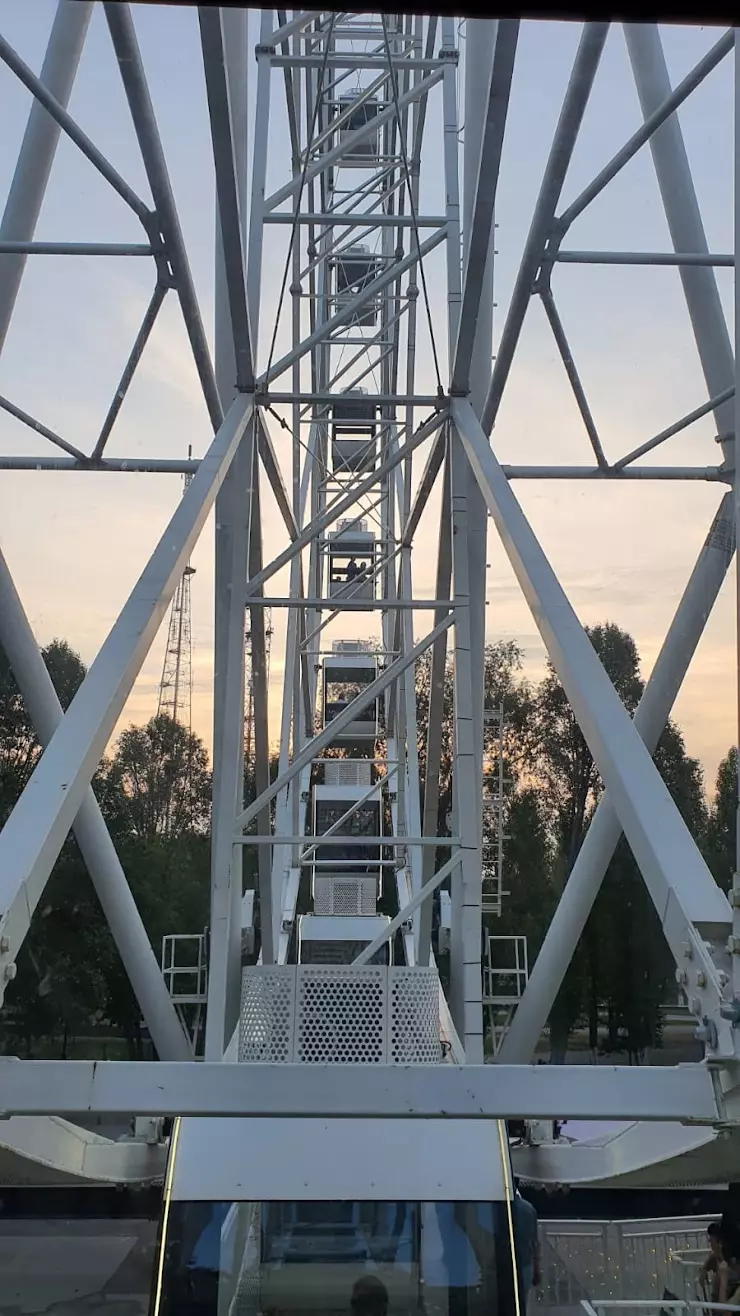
(603, 835)
(680, 884)
(35, 831)
(93, 837)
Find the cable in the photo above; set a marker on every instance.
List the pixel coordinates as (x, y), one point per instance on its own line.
(407, 171)
(304, 170)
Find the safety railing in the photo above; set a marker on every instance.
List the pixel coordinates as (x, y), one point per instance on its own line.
(674, 1306)
(626, 1260)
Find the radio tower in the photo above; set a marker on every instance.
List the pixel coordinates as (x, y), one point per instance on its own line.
(249, 682)
(176, 684)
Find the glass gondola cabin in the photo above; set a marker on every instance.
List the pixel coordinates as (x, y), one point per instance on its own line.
(345, 677)
(354, 433)
(351, 552)
(355, 268)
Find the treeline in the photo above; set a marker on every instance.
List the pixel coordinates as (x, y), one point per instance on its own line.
(155, 792)
(623, 972)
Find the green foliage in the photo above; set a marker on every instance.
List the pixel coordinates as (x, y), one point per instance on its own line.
(161, 780)
(722, 823)
(155, 795)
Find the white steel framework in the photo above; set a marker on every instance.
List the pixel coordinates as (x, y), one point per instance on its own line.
(318, 402)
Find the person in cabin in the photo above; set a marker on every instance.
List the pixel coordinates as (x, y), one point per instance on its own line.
(369, 1297)
(708, 1276)
(728, 1267)
(526, 1239)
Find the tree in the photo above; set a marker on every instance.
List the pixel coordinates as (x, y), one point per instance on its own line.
(720, 844)
(503, 684)
(19, 745)
(622, 964)
(160, 774)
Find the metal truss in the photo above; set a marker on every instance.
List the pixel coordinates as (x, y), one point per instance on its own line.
(344, 396)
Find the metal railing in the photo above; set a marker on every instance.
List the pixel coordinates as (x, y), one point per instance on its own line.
(672, 1305)
(619, 1261)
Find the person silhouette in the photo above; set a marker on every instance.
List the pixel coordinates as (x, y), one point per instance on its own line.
(369, 1297)
(353, 570)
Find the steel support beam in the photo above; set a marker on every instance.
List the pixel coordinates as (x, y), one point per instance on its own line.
(92, 835)
(76, 1087)
(435, 721)
(34, 833)
(571, 116)
(690, 905)
(491, 113)
(466, 983)
(685, 223)
(229, 184)
(233, 510)
(38, 149)
(604, 832)
(126, 46)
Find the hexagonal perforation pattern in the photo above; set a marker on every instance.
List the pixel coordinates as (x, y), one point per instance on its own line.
(413, 1025)
(341, 1015)
(267, 1012)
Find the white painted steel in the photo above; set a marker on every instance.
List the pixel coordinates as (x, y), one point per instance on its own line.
(361, 173)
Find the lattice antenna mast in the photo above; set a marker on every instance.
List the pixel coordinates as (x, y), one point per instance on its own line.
(176, 683)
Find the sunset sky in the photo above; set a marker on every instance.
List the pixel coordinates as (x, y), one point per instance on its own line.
(77, 543)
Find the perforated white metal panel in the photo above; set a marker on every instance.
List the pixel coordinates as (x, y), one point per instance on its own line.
(348, 772)
(336, 1014)
(341, 1015)
(266, 1018)
(344, 895)
(413, 1022)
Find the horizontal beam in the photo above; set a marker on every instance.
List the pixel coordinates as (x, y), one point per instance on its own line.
(340, 220)
(8, 248)
(345, 60)
(377, 399)
(642, 258)
(188, 466)
(615, 472)
(119, 465)
(75, 1087)
(353, 605)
